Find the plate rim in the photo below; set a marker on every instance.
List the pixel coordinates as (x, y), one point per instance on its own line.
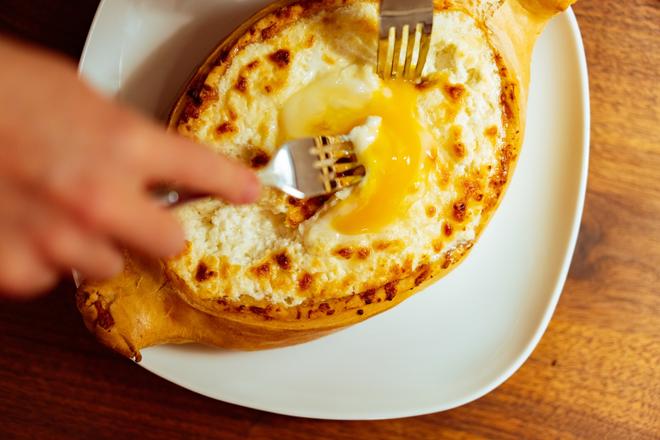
(542, 326)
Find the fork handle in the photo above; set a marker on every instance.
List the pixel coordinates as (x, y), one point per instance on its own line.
(268, 178)
(171, 197)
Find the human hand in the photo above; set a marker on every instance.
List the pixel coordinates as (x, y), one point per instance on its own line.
(75, 171)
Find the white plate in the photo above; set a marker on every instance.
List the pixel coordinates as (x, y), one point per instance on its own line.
(444, 347)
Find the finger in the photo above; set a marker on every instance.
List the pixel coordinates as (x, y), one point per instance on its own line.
(201, 170)
(58, 240)
(23, 274)
(67, 246)
(128, 216)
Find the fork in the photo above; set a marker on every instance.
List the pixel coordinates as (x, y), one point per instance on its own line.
(302, 168)
(405, 37)
(312, 167)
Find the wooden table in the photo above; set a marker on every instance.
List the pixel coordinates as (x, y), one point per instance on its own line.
(595, 374)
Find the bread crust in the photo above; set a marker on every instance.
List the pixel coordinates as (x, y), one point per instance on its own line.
(149, 304)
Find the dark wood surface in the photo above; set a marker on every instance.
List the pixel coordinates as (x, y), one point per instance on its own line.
(595, 374)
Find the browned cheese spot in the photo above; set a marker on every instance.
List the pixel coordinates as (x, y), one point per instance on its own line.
(103, 317)
(390, 290)
(305, 210)
(491, 132)
(363, 253)
(423, 273)
(324, 307)
(368, 296)
(438, 245)
(241, 84)
(443, 173)
(253, 65)
(454, 91)
(344, 252)
(284, 13)
(259, 311)
(430, 211)
(223, 56)
(262, 270)
(191, 111)
(471, 187)
(442, 5)
(448, 229)
(293, 201)
(381, 245)
(268, 89)
(507, 99)
(459, 149)
(310, 41)
(203, 273)
(500, 63)
(501, 176)
(426, 83)
(456, 142)
(448, 260)
(208, 93)
(281, 58)
(283, 261)
(225, 128)
(459, 211)
(305, 281)
(360, 312)
(269, 32)
(260, 159)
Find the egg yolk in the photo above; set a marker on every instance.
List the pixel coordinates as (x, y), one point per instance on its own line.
(333, 106)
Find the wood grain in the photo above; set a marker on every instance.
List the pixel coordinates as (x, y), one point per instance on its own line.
(595, 374)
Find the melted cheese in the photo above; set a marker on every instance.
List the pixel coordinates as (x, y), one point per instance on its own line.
(329, 87)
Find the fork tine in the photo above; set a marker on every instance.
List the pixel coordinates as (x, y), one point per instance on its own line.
(342, 168)
(424, 45)
(337, 150)
(347, 181)
(324, 163)
(409, 65)
(334, 156)
(401, 49)
(405, 33)
(386, 53)
(396, 53)
(332, 163)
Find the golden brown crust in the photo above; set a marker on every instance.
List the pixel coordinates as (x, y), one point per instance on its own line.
(139, 309)
(341, 310)
(145, 306)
